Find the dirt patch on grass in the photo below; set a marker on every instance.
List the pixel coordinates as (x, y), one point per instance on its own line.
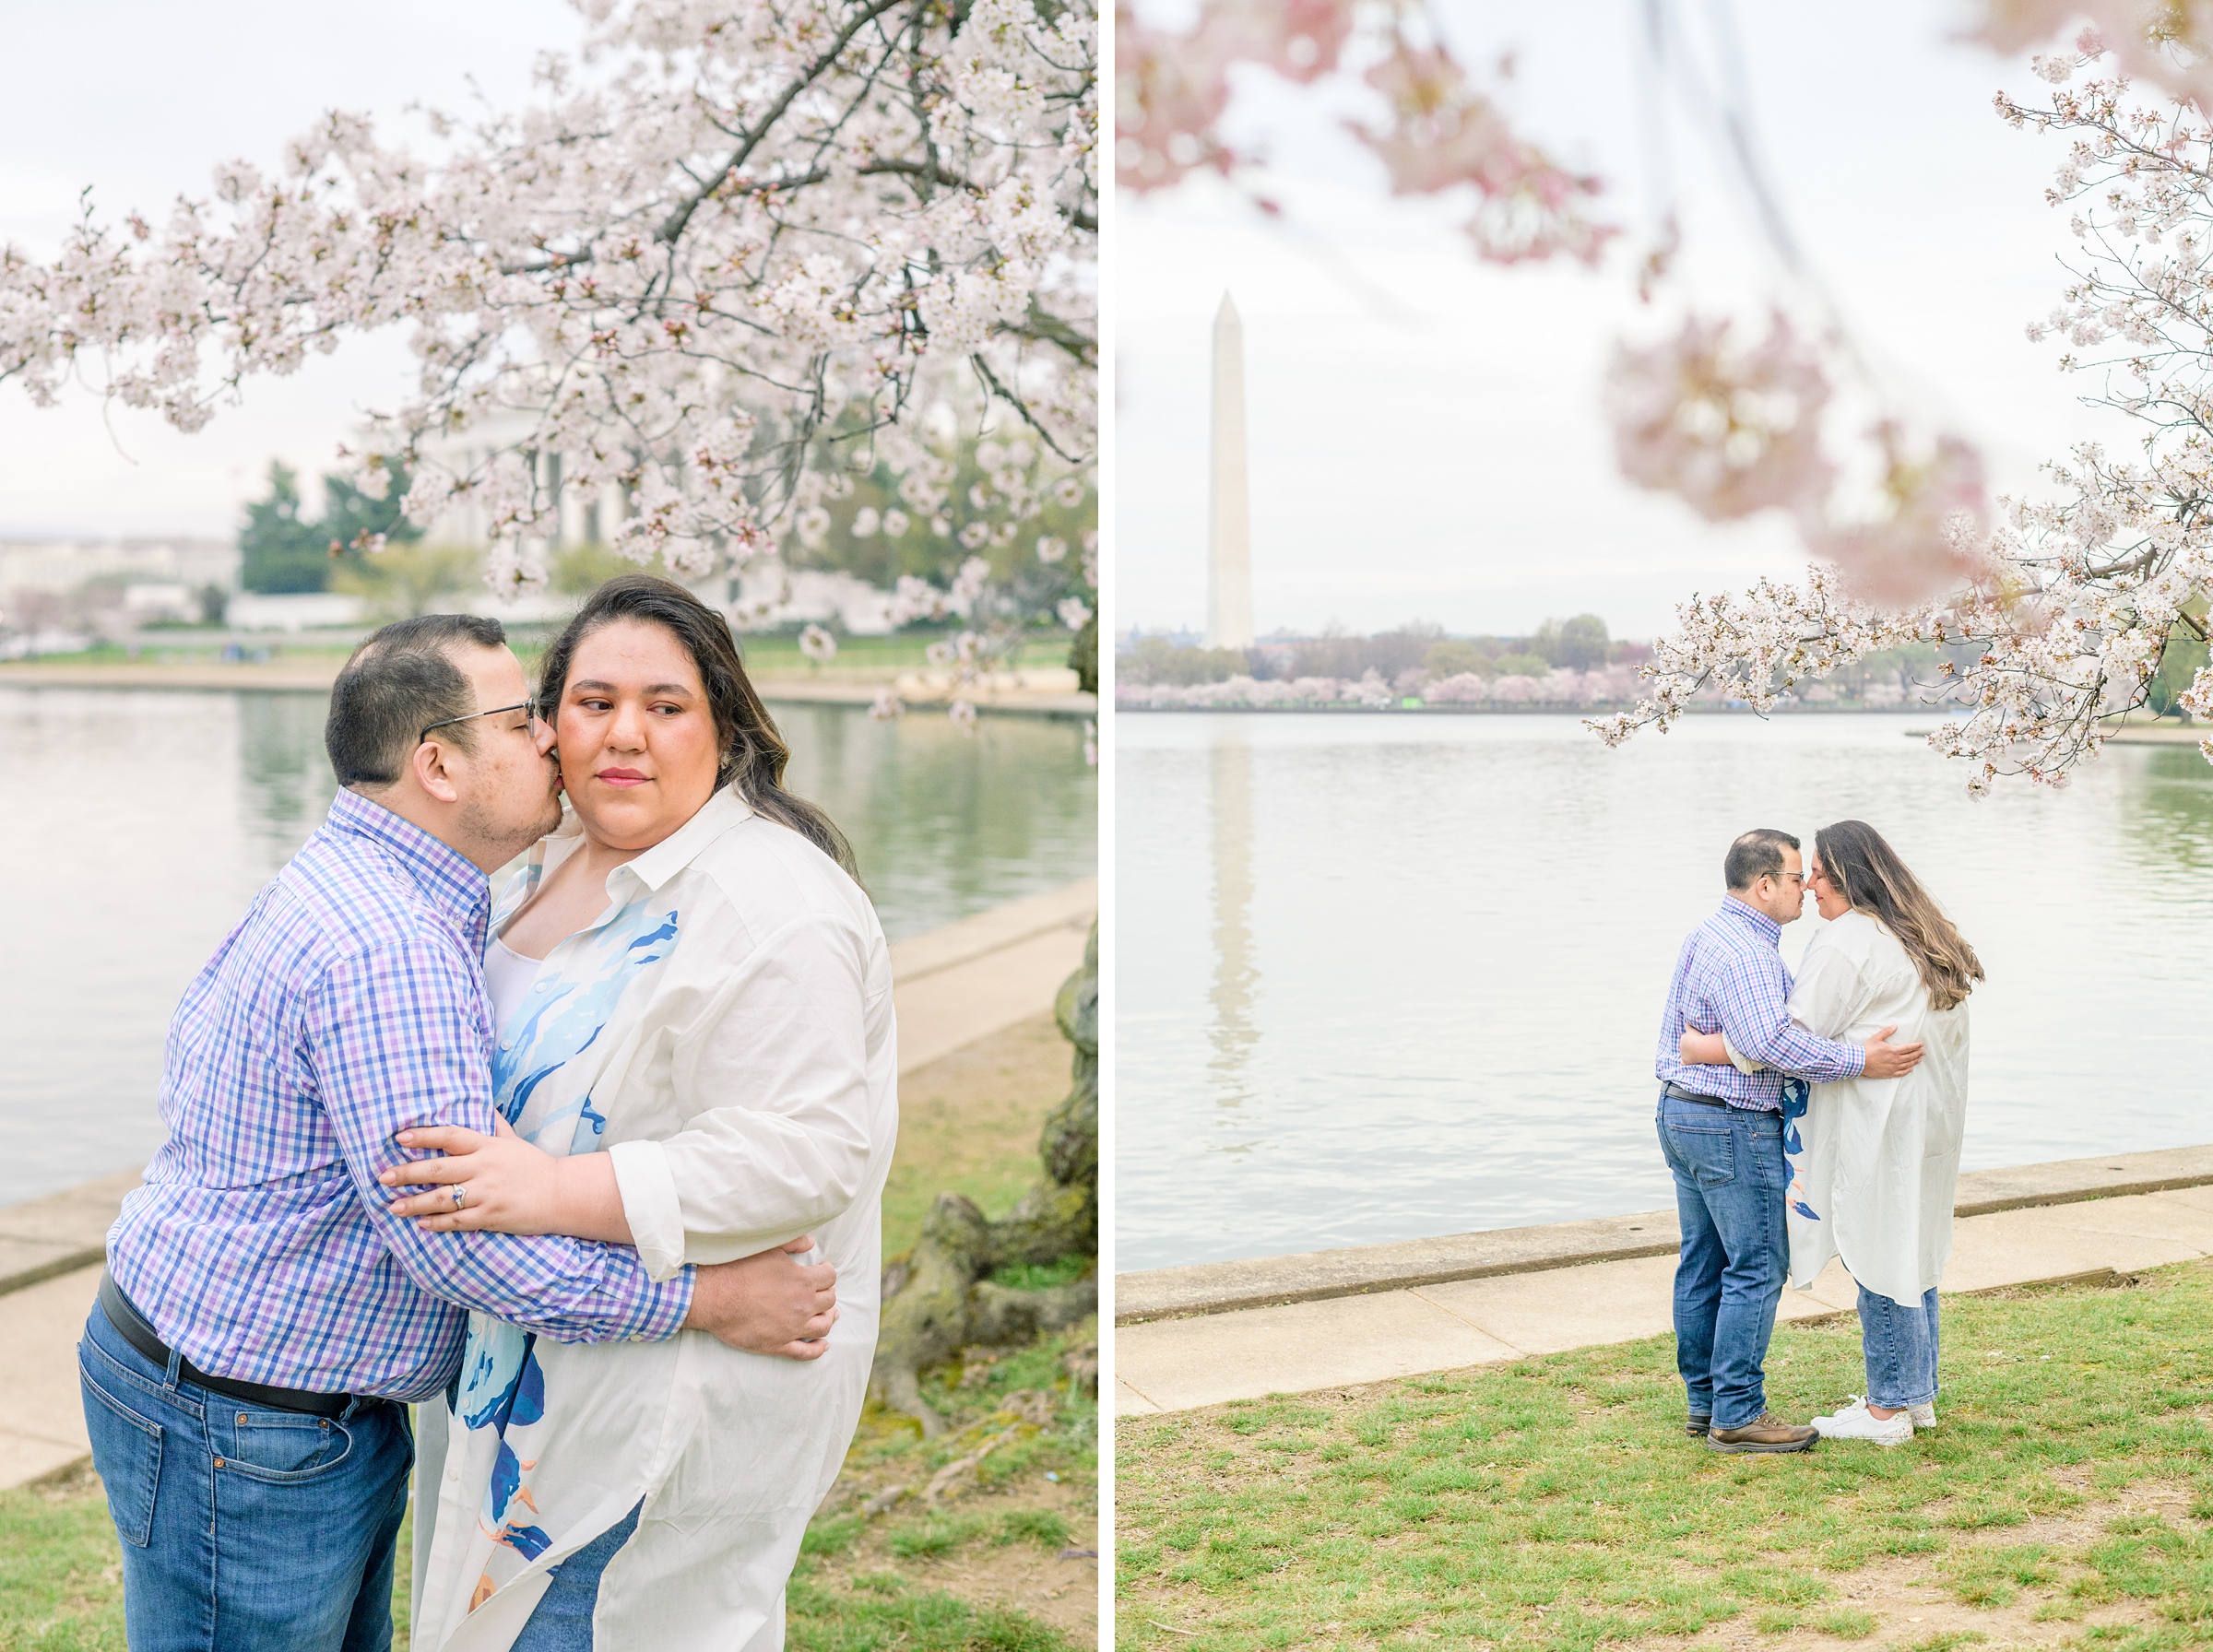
(1904, 1603)
(968, 1123)
(985, 1568)
(1917, 1601)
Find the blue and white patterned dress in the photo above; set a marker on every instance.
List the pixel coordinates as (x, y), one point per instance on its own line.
(725, 1031)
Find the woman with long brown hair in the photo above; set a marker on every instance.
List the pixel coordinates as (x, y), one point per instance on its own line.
(694, 1049)
(1874, 1162)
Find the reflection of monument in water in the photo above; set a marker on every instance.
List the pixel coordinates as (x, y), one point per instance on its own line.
(1229, 625)
(1228, 523)
(1233, 1035)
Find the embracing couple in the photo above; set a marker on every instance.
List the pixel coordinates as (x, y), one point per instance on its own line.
(1798, 1132)
(548, 1169)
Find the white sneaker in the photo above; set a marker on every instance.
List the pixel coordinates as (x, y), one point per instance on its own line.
(1855, 1421)
(1924, 1415)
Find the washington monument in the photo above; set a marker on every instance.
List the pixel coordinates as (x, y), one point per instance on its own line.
(1228, 534)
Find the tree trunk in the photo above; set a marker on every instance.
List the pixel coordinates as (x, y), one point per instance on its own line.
(938, 1299)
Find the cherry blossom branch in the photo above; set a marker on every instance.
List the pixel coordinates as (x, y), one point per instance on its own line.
(597, 277)
(673, 226)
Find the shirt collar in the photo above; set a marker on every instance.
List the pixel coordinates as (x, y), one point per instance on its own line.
(683, 846)
(448, 880)
(1750, 915)
(724, 809)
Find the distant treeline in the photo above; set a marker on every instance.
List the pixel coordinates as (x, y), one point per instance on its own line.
(1410, 654)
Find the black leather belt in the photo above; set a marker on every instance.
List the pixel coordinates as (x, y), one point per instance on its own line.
(1677, 1093)
(135, 1328)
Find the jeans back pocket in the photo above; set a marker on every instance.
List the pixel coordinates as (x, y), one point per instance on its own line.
(1708, 1153)
(126, 1450)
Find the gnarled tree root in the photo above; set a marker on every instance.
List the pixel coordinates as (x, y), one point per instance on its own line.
(938, 1299)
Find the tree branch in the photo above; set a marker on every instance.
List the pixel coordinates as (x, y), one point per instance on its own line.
(673, 226)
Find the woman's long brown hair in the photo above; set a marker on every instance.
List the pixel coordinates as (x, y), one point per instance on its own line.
(754, 752)
(1868, 873)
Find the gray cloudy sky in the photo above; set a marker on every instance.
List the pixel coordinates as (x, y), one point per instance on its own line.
(140, 100)
(1426, 441)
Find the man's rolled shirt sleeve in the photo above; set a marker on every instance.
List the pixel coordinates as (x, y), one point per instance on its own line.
(395, 1042)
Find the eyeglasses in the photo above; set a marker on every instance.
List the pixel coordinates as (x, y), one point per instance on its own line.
(520, 705)
(1779, 877)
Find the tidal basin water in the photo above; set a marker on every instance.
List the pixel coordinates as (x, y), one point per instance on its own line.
(1384, 977)
(136, 825)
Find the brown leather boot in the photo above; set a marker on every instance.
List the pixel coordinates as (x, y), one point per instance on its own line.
(1765, 1431)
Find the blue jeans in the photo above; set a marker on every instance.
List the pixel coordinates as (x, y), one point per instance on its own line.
(561, 1621)
(244, 1528)
(1730, 1177)
(1901, 1347)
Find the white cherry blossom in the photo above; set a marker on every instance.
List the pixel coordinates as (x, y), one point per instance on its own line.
(724, 253)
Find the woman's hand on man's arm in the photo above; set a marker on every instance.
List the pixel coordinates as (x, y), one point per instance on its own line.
(507, 1185)
(768, 1302)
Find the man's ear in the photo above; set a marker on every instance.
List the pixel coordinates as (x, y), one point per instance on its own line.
(428, 764)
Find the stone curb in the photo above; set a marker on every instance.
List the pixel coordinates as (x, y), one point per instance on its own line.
(1071, 906)
(1270, 1281)
(46, 1238)
(36, 1272)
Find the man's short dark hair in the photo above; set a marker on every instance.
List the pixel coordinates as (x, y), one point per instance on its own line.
(1757, 855)
(397, 683)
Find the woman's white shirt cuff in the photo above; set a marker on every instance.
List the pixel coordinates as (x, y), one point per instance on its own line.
(650, 1205)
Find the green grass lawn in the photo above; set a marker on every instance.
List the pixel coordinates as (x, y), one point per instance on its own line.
(869, 1582)
(1556, 1503)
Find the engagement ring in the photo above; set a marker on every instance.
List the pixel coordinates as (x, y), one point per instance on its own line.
(460, 1195)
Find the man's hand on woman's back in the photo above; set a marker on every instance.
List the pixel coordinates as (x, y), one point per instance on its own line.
(769, 1303)
(1888, 1061)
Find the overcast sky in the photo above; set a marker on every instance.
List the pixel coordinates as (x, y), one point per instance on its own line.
(1425, 435)
(140, 102)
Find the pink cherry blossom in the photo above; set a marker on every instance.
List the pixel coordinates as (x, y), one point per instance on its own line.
(1436, 130)
(1929, 535)
(2168, 43)
(1443, 132)
(1467, 688)
(2049, 617)
(1731, 425)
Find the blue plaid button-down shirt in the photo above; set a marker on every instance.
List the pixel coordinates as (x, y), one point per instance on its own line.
(348, 1005)
(1729, 977)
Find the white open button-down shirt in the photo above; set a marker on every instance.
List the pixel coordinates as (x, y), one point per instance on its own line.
(725, 1032)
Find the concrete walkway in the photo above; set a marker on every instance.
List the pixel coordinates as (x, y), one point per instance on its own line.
(951, 988)
(970, 979)
(1347, 1333)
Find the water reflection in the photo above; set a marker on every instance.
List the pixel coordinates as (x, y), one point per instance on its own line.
(286, 777)
(1233, 1033)
(943, 823)
(1464, 927)
(138, 825)
(2170, 816)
